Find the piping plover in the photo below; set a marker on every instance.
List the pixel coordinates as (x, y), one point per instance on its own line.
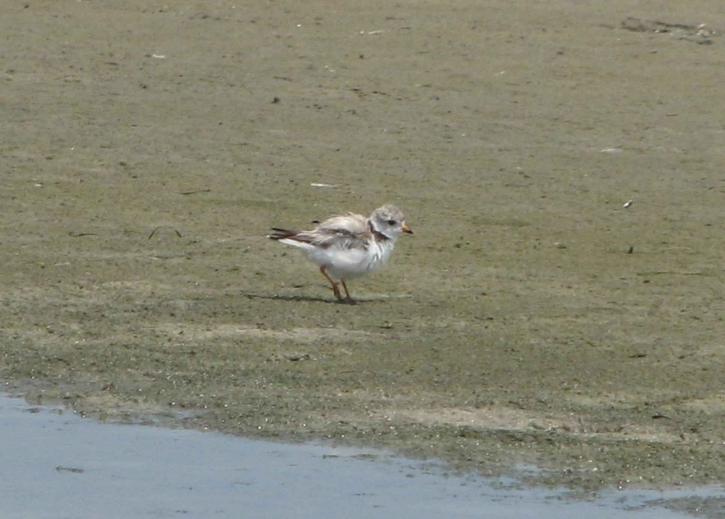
(348, 245)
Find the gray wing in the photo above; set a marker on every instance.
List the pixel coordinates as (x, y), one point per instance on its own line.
(347, 231)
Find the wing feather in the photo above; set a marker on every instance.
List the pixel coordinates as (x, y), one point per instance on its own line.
(346, 231)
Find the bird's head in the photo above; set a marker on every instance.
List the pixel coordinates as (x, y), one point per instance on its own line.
(389, 221)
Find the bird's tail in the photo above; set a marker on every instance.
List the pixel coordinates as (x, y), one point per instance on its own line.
(281, 234)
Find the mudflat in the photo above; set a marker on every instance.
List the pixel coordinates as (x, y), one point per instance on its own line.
(147, 148)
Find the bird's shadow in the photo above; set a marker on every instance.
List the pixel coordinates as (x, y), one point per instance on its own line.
(309, 299)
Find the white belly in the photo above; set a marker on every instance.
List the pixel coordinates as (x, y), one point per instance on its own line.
(350, 263)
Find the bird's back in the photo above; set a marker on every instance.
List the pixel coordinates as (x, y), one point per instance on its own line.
(353, 223)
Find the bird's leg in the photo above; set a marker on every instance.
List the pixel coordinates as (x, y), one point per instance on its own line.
(347, 292)
(335, 289)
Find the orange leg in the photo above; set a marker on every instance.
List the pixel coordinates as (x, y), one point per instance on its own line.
(347, 292)
(335, 289)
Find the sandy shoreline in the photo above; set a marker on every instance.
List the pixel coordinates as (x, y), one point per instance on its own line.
(532, 319)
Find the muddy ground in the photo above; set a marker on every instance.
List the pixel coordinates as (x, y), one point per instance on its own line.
(147, 147)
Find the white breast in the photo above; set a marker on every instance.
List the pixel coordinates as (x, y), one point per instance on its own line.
(379, 254)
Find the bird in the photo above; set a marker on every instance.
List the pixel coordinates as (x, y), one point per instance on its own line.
(349, 245)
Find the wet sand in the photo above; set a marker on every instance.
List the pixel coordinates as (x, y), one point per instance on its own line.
(147, 148)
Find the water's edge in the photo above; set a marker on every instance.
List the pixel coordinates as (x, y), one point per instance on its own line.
(62, 465)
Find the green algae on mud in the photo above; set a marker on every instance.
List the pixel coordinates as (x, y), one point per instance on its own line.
(141, 174)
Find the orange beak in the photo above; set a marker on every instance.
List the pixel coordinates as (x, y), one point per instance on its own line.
(407, 229)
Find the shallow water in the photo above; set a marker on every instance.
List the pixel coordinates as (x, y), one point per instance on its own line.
(58, 465)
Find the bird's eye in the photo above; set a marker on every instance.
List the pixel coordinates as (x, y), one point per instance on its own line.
(391, 222)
